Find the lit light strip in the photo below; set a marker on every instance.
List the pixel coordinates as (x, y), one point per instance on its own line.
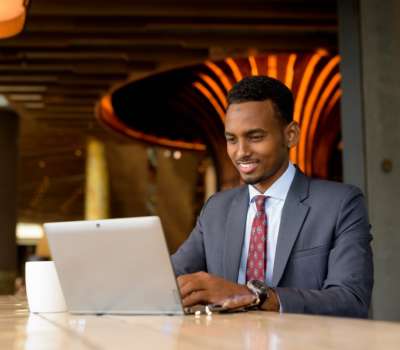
(27, 232)
(26, 97)
(290, 70)
(235, 69)
(292, 155)
(333, 101)
(253, 65)
(105, 113)
(22, 88)
(3, 101)
(216, 88)
(312, 98)
(333, 84)
(199, 86)
(272, 66)
(298, 105)
(220, 74)
(304, 85)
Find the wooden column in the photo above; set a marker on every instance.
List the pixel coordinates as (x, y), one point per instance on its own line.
(210, 180)
(97, 181)
(8, 204)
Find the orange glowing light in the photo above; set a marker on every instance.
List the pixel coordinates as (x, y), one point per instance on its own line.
(105, 112)
(272, 66)
(253, 65)
(290, 70)
(203, 90)
(216, 89)
(298, 106)
(309, 107)
(12, 17)
(235, 69)
(333, 84)
(220, 74)
(333, 101)
(322, 51)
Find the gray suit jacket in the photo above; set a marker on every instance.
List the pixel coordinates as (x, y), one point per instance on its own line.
(323, 262)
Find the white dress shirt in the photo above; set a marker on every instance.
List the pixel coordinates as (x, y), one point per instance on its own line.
(273, 207)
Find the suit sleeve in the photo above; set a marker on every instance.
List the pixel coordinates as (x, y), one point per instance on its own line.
(190, 257)
(348, 286)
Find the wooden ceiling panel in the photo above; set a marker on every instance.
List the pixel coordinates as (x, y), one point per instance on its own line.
(192, 8)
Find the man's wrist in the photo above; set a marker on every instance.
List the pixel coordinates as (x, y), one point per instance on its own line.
(272, 302)
(267, 297)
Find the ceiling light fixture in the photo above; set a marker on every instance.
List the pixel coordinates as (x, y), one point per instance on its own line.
(3, 101)
(12, 17)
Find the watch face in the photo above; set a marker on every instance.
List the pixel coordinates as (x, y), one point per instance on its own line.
(260, 286)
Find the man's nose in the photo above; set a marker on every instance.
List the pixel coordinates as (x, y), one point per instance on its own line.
(243, 150)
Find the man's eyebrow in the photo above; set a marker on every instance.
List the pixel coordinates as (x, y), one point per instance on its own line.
(248, 132)
(255, 131)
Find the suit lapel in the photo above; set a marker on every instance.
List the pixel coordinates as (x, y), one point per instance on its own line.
(294, 213)
(234, 234)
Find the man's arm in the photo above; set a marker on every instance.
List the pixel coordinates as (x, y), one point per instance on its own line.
(190, 257)
(348, 286)
(203, 288)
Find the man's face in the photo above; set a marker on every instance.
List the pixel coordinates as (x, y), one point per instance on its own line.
(258, 142)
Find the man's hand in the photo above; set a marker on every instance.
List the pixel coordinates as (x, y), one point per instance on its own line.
(203, 288)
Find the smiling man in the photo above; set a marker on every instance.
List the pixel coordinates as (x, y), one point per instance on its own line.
(282, 242)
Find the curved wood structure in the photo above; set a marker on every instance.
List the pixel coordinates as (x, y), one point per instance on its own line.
(185, 108)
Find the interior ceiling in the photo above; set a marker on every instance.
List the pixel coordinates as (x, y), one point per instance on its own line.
(74, 51)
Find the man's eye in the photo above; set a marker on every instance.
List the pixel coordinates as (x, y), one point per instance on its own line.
(230, 140)
(256, 137)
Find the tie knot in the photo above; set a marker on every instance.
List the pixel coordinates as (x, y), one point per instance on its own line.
(260, 202)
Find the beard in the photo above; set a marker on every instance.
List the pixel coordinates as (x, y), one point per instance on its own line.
(254, 180)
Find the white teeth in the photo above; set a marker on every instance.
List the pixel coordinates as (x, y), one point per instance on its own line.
(247, 166)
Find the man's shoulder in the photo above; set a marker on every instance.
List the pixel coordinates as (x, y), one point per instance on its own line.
(331, 190)
(229, 194)
(223, 200)
(334, 200)
(331, 186)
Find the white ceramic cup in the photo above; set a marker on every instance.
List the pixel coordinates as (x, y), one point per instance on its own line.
(43, 288)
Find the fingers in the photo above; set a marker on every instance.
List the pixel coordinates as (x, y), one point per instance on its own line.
(198, 276)
(183, 279)
(189, 288)
(238, 301)
(191, 283)
(202, 288)
(195, 298)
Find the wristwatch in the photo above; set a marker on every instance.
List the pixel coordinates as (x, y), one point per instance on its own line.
(260, 290)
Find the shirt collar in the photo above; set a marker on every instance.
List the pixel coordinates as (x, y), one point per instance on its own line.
(279, 188)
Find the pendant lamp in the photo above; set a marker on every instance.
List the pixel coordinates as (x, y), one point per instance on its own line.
(12, 17)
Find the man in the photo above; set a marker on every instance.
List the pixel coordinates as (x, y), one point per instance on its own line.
(301, 245)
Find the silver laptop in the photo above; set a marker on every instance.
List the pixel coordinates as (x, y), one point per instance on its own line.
(115, 266)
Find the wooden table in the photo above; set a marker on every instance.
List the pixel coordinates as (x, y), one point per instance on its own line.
(251, 330)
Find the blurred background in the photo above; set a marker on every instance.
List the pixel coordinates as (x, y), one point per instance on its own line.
(116, 109)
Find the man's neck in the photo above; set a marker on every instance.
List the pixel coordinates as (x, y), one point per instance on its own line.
(266, 184)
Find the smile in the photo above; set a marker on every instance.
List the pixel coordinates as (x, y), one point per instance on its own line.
(247, 168)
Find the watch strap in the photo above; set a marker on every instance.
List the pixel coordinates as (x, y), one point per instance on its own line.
(260, 290)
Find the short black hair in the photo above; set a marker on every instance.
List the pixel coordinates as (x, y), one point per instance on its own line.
(262, 88)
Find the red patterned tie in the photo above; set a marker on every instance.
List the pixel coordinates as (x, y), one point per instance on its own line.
(256, 259)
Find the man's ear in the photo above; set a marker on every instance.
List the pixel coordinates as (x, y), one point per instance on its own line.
(292, 134)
